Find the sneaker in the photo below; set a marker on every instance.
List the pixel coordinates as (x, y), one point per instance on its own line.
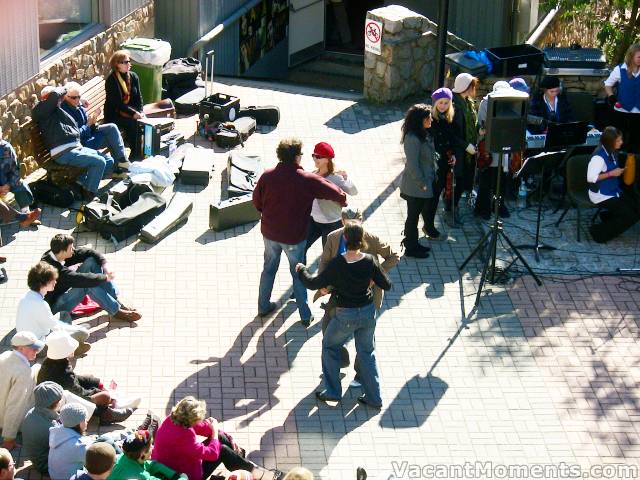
(363, 400)
(32, 216)
(127, 315)
(115, 415)
(272, 307)
(432, 233)
(150, 423)
(325, 398)
(416, 253)
(355, 383)
(119, 173)
(307, 322)
(123, 165)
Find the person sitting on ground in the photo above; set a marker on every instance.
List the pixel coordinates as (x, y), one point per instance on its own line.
(62, 137)
(57, 367)
(336, 245)
(8, 215)
(68, 443)
(36, 424)
(177, 446)
(92, 134)
(34, 313)
(622, 204)
(92, 277)
(136, 464)
(17, 381)
(98, 462)
(7, 465)
(352, 276)
(124, 105)
(299, 473)
(10, 180)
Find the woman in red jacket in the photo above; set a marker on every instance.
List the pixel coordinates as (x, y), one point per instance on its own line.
(192, 444)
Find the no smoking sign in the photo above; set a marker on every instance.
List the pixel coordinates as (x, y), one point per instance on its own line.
(372, 36)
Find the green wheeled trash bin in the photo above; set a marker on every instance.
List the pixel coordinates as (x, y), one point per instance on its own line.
(148, 55)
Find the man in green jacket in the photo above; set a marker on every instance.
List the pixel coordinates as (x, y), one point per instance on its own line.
(134, 463)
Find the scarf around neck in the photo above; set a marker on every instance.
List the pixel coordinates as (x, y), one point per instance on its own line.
(125, 86)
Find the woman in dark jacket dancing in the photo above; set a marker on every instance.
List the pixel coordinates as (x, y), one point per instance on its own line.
(351, 276)
(124, 105)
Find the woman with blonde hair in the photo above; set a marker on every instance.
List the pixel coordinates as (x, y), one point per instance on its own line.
(124, 105)
(451, 145)
(191, 443)
(626, 103)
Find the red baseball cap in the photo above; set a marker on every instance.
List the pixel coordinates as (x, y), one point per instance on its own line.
(324, 150)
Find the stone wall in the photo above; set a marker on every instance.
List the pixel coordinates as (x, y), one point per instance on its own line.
(406, 65)
(81, 63)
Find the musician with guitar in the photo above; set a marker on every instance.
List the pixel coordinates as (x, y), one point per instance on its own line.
(606, 189)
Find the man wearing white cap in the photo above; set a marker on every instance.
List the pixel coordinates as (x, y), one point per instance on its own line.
(17, 382)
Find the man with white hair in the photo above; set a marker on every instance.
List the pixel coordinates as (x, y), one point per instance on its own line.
(93, 135)
(17, 382)
(62, 136)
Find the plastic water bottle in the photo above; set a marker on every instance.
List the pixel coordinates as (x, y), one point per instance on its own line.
(522, 195)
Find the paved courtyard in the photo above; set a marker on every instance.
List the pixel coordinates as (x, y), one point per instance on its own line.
(537, 377)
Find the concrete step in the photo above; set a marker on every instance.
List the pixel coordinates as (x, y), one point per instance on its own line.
(335, 70)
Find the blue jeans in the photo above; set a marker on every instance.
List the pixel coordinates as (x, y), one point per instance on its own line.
(361, 323)
(295, 255)
(108, 136)
(95, 163)
(22, 194)
(104, 294)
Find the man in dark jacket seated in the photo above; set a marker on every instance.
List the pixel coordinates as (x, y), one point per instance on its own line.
(552, 105)
(62, 136)
(93, 135)
(92, 277)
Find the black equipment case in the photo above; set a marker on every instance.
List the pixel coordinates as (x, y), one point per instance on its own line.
(232, 212)
(243, 172)
(265, 115)
(181, 72)
(515, 60)
(231, 135)
(112, 223)
(218, 107)
(189, 103)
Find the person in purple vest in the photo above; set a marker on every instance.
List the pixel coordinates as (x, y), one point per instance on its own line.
(622, 205)
(626, 103)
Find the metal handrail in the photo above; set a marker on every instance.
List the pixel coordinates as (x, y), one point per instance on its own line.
(218, 29)
(542, 26)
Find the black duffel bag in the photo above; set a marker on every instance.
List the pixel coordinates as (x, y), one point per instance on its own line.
(112, 223)
(181, 72)
(46, 192)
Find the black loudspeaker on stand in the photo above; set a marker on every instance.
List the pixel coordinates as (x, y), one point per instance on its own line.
(505, 133)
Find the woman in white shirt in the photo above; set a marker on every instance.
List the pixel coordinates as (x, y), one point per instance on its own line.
(622, 205)
(626, 103)
(326, 215)
(34, 313)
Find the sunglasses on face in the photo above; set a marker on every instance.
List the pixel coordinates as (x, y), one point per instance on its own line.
(315, 157)
(124, 62)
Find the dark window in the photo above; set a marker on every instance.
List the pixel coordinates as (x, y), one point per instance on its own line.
(60, 21)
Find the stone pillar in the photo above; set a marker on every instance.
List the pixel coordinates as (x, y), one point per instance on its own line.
(406, 65)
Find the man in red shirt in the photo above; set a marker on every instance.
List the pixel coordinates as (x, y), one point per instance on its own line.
(284, 196)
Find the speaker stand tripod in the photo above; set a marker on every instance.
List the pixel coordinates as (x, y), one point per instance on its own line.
(491, 237)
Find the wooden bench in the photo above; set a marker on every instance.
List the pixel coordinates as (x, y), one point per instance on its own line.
(93, 92)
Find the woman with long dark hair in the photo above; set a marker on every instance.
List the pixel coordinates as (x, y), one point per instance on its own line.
(124, 105)
(418, 178)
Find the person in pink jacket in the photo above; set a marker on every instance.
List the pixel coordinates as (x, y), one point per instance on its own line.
(192, 444)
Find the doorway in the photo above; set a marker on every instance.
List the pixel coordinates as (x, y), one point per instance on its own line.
(345, 24)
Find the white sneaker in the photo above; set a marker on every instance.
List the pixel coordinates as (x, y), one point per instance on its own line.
(355, 384)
